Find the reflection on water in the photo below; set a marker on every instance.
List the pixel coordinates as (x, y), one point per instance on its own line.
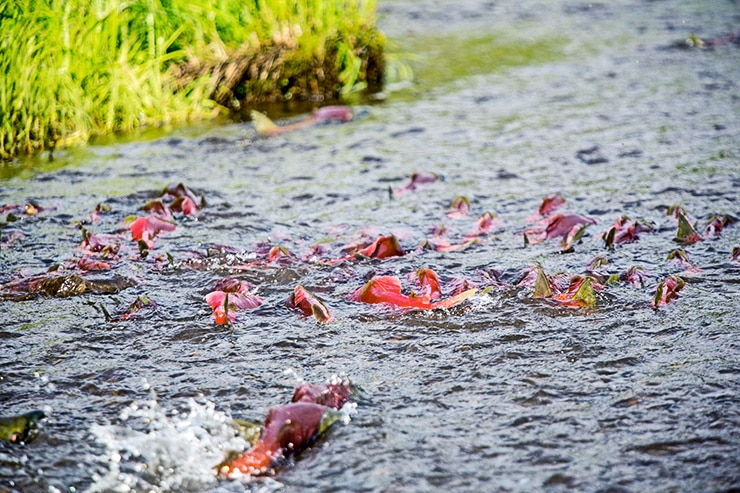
(501, 393)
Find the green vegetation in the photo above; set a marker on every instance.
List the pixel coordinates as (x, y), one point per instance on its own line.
(73, 69)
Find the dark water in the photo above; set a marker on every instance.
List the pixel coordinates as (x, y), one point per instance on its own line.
(502, 393)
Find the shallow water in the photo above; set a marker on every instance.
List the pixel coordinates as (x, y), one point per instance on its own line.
(501, 393)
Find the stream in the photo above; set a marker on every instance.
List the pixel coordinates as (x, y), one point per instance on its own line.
(602, 103)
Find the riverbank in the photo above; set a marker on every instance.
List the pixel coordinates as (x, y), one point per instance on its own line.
(81, 69)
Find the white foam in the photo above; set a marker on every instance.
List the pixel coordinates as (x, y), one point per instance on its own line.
(156, 450)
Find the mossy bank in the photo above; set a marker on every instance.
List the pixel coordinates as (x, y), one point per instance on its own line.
(83, 68)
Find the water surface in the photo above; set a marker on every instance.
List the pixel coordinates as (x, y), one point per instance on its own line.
(510, 103)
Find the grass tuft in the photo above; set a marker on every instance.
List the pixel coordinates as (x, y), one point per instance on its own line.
(74, 69)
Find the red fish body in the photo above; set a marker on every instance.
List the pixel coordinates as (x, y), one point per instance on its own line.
(383, 247)
(309, 305)
(667, 290)
(624, 231)
(580, 292)
(635, 276)
(229, 296)
(557, 225)
(686, 233)
(414, 182)
(102, 245)
(267, 127)
(335, 112)
(562, 224)
(334, 395)
(288, 430)
(87, 263)
(147, 228)
(429, 282)
(460, 207)
(486, 223)
(279, 254)
(387, 289)
(550, 204)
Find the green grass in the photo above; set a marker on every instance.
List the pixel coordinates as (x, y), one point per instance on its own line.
(79, 68)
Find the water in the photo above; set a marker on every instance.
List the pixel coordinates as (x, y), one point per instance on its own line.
(503, 393)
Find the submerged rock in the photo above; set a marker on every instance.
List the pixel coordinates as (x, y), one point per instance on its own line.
(592, 155)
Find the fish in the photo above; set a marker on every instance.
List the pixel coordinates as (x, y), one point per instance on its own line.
(308, 304)
(383, 247)
(667, 290)
(415, 180)
(487, 222)
(569, 227)
(145, 229)
(635, 276)
(624, 232)
(290, 428)
(287, 430)
(229, 296)
(266, 127)
(280, 254)
(460, 207)
(429, 282)
(686, 232)
(89, 264)
(101, 245)
(549, 205)
(440, 243)
(580, 293)
(21, 428)
(680, 258)
(332, 112)
(334, 395)
(387, 289)
(717, 223)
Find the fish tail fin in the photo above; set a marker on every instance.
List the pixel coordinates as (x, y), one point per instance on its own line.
(455, 300)
(263, 124)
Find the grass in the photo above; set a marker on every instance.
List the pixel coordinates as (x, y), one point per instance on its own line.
(74, 69)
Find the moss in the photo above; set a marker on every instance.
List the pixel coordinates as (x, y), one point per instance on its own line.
(277, 73)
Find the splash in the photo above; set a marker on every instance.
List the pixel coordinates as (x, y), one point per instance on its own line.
(158, 450)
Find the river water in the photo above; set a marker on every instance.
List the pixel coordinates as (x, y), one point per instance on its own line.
(511, 102)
